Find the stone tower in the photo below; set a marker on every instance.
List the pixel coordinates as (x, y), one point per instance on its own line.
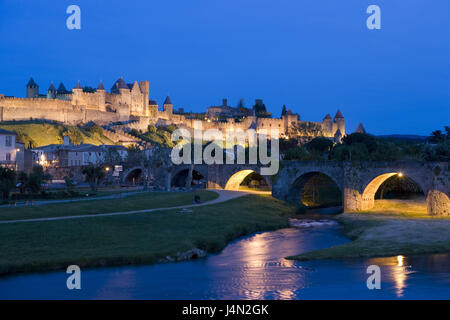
(32, 89)
(51, 92)
(327, 125)
(101, 94)
(168, 106)
(339, 123)
(145, 89)
(77, 92)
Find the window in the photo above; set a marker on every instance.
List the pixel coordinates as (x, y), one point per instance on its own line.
(8, 157)
(8, 141)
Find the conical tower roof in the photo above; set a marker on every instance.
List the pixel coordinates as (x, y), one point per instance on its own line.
(339, 115)
(31, 83)
(121, 84)
(167, 101)
(62, 88)
(52, 87)
(360, 129)
(100, 86)
(78, 86)
(328, 116)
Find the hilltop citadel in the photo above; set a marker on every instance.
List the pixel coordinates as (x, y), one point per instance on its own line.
(130, 105)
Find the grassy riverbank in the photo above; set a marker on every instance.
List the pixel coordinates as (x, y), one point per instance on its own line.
(140, 201)
(137, 238)
(392, 228)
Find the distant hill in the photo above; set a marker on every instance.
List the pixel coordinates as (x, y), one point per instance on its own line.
(405, 137)
(40, 133)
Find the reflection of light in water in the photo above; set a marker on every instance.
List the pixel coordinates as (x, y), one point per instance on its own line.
(398, 271)
(116, 285)
(400, 261)
(256, 278)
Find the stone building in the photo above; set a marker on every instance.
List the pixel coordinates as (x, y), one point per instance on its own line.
(131, 104)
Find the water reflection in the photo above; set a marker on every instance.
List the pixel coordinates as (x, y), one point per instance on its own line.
(396, 270)
(252, 268)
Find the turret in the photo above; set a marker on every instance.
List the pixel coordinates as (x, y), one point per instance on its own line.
(152, 108)
(101, 94)
(100, 87)
(76, 96)
(145, 89)
(32, 89)
(120, 87)
(360, 129)
(327, 125)
(62, 89)
(168, 106)
(78, 87)
(51, 92)
(339, 122)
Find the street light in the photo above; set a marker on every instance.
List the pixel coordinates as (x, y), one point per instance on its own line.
(400, 174)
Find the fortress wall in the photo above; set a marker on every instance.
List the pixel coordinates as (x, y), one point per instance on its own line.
(269, 123)
(36, 103)
(101, 118)
(66, 116)
(92, 100)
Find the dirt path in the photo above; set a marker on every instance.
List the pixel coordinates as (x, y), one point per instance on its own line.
(224, 195)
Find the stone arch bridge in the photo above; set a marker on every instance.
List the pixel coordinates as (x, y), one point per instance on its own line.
(358, 182)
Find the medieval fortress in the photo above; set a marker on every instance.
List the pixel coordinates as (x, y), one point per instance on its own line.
(130, 105)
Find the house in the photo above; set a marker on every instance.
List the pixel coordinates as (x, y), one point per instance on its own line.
(69, 155)
(8, 149)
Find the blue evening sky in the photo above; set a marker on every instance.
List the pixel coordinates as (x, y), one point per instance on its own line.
(315, 56)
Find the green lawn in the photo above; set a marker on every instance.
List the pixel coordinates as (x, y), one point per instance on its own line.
(137, 238)
(400, 228)
(141, 201)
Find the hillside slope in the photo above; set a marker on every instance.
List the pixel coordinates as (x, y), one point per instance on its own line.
(38, 133)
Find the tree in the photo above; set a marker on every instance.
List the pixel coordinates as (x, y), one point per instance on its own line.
(93, 175)
(89, 89)
(437, 136)
(320, 144)
(112, 157)
(70, 183)
(151, 128)
(7, 181)
(36, 178)
(22, 179)
(135, 155)
(369, 141)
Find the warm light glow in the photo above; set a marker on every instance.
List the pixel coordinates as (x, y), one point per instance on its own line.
(107, 168)
(400, 174)
(400, 261)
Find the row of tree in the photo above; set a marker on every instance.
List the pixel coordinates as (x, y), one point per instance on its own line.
(365, 147)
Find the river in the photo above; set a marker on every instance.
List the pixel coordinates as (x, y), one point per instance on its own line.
(252, 267)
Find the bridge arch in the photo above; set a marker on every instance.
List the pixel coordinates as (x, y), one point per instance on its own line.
(237, 178)
(371, 188)
(179, 178)
(297, 187)
(133, 175)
